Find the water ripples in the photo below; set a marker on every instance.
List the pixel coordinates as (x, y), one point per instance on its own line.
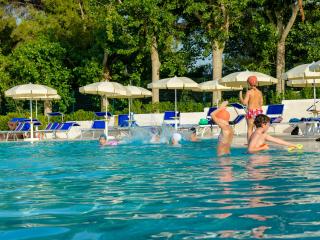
(77, 190)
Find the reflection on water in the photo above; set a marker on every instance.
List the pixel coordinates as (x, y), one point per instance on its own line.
(78, 190)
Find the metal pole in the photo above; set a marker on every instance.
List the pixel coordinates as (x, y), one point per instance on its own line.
(106, 119)
(31, 121)
(314, 94)
(129, 101)
(175, 110)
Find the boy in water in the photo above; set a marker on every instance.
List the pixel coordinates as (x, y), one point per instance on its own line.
(221, 117)
(254, 101)
(257, 141)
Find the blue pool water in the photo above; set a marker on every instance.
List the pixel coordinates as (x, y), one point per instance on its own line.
(78, 190)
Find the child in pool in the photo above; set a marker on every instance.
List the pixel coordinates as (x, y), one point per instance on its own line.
(175, 139)
(221, 117)
(103, 141)
(257, 141)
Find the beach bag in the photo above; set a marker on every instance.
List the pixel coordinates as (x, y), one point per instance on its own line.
(295, 131)
(203, 121)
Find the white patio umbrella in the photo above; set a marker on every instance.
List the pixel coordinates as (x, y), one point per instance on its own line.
(315, 66)
(134, 92)
(239, 79)
(175, 83)
(214, 86)
(301, 76)
(301, 83)
(107, 90)
(30, 92)
(301, 72)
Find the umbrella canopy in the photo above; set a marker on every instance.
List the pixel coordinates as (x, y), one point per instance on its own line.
(175, 83)
(134, 92)
(301, 72)
(214, 86)
(106, 89)
(39, 97)
(304, 83)
(30, 91)
(315, 66)
(239, 79)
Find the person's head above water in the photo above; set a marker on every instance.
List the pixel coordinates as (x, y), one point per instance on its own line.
(103, 139)
(193, 130)
(224, 115)
(176, 138)
(252, 81)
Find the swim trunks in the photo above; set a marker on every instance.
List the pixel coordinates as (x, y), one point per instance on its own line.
(252, 113)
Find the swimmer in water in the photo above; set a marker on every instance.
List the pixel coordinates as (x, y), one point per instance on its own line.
(103, 141)
(221, 117)
(193, 135)
(175, 139)
(257, 141)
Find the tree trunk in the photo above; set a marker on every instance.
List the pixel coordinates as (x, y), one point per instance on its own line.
(47, 106)
(106, 77)
(281, 54)
(283, 31)
(217, 51)
(155, 61)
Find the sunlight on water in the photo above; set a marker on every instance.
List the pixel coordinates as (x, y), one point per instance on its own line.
(78, 190)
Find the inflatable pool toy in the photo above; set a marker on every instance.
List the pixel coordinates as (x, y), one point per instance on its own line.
(297, 147)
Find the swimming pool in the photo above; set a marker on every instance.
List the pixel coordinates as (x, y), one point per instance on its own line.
(78, 190)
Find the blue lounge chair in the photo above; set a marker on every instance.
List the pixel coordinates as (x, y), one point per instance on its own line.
(169, 118)
(275, 113)
(103, 114)
(97, 126)
(65, 128)
(202, 129)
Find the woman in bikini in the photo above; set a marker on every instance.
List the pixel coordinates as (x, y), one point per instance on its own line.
(254, 101)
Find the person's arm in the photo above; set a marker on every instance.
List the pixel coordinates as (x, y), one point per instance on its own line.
(244, 100)
(279, 141)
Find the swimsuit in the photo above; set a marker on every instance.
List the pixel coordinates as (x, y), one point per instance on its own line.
(252, 113)
(112, 143)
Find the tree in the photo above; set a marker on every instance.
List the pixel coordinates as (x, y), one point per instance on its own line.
(215, 18)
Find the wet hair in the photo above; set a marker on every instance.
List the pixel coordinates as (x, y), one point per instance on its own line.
(103, 136)
(193, 130)
(261, 119)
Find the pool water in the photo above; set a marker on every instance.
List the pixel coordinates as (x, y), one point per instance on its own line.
(78, 190)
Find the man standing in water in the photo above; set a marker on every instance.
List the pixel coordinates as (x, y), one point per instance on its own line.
(254, 101)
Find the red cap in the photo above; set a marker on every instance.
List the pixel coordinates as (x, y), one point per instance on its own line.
(252, 80)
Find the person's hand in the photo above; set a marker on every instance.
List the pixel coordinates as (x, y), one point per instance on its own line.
(224, 104)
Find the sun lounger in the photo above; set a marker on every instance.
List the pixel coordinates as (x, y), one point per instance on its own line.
(64, 128)
(210, 125)
(170, 117)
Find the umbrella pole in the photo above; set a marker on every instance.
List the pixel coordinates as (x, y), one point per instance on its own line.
(129, 101)
(175, 110)
(106, 132)
(314, 95)
(31, 122)
(37, 113)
